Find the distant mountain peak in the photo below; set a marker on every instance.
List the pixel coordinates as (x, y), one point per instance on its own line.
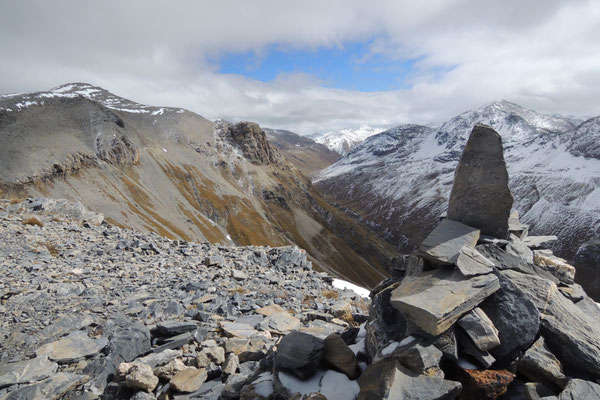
(345, 140)
(74, 90)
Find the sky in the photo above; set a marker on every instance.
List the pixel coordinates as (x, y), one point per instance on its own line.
(312, 66)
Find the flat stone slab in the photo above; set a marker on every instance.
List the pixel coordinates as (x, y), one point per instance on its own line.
(447, 239)
(435, 300)
(189, 380)
(51, 388)
(280, 322)
(390, 380)
(243, 331)
(539, 364)
(480, 196)
(27, 371)
(269, 310)
(480, 329)
(537, 241)
(471, 262)
(175, 327)
(162, 358)
(74, 347)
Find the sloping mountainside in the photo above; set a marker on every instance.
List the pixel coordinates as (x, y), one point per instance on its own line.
(344, 140)
(304, 153)
(172, 172)
(399, 181)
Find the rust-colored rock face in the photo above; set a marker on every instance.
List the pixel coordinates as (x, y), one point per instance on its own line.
(485, 385)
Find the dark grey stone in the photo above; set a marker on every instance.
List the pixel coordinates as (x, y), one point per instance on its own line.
(447, 344)
(446, 240)
(539, 364)
(515, 316)
(175, 327)
(480, 196)
(578, 389)
(503, 260)
(27, 371)
(385, 322)
(413, 354)
(466, 346)
(299, 353)
(571, 334)
(390, 380)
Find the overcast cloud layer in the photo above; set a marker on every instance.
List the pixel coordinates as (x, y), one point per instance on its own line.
(542, 54)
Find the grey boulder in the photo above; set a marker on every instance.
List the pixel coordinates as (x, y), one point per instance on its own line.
(515, 316)
(49, 389)
(571, 334)
(299, 353)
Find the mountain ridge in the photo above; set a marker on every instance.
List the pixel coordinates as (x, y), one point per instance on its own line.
(173, 172)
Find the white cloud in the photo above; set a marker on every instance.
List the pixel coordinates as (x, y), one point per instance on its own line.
(541, 54)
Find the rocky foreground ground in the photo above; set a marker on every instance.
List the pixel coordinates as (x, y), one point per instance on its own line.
(480, 311)
(79, 298)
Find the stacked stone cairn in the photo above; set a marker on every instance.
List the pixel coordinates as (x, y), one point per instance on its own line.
(480, 311)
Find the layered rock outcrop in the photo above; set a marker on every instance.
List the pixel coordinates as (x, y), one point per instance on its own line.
(252, 141)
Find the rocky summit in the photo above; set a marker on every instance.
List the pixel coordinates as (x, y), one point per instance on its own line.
(94, 311)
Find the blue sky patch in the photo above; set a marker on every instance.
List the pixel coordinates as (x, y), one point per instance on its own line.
(344, 67)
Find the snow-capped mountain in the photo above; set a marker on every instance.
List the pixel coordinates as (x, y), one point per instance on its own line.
(21, 101)
(399, 180)
(344, 140)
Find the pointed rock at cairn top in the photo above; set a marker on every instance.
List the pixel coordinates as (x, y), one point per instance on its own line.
(480, 195)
